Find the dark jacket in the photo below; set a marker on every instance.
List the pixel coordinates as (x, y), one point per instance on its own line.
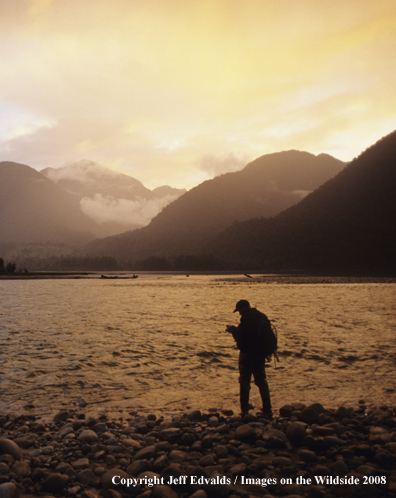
(250, 333)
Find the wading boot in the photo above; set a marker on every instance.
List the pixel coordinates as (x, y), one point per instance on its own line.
(266, 399)
(244, 399)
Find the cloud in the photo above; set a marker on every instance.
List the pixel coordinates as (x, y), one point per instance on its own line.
(173, 92)
(81, 172)
(301, 193)
(219, 165)
(123, 211)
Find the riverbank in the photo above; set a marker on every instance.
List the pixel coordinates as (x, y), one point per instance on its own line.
(304, 451)
(221, 276)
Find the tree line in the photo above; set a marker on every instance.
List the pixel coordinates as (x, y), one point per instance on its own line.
(7, 268)
(108, 263)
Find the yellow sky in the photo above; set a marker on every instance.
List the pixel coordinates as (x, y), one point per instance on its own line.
(177, 91)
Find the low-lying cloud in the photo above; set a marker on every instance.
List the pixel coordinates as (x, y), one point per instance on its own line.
(130, 213)
(84, 171)
(301, 193)
(215, 165)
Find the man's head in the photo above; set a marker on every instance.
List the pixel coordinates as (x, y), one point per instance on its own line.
(242, 306)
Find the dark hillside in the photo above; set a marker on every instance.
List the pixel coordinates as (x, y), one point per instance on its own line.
(34, 209)
(264, 187)
(347, 224)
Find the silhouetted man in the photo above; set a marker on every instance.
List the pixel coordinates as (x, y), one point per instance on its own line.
(249, 337)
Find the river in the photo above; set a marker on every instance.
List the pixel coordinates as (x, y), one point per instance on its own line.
(158, 343)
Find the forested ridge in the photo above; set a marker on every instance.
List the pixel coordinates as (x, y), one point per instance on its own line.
(346, 224)
(264, 187)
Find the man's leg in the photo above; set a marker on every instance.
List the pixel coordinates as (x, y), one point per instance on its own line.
(245, 374)
(266, 398)
(261, 382)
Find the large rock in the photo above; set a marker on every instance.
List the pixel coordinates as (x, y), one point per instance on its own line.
(206, 461)
(160, 463)
(145, 453)
(21, 468)
(131, 443)
(318, 407)
(296, 432)
(8, 447)
(138, 467)
(246, 433)
(193, 414)
(86, 477)
(8, 490)
(55, 483)
(61, 416)
(82, 463)
(276, 439)
(26, 441)
(107, 478)
(322, 430)
(286, 410)
(341, 412)
(88, 436)
(177, 456)
(66, 430)
(309, 415)
(4, 468)
(171, 434)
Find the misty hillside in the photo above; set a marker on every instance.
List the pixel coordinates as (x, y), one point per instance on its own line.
(116, 201)
(347, 224)
(34, 209)
(86, 178)
(264, 187)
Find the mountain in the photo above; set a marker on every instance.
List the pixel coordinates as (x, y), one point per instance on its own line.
(116, 201)
(264, 187)
(347, 224)
(35, 210)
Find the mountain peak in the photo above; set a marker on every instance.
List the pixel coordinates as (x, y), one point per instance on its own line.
(264, 187)
(347, 224)
(88, 171)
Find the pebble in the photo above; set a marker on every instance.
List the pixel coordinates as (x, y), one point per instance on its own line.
(79, 457)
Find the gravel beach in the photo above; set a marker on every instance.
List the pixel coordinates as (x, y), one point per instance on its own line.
(305, 451)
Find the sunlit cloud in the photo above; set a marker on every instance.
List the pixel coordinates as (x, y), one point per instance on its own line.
(167, 91)
(124, 211)
(219, 165)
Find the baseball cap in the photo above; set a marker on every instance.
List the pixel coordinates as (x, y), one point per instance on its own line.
(241, 304)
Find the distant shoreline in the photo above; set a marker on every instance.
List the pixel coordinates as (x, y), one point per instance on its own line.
(280, 278)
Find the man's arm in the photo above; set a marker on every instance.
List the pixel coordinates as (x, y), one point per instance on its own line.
(236, 334)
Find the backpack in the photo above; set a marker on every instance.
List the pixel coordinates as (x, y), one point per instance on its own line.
(269, 338)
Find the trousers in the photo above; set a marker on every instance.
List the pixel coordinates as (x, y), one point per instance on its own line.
(252, 364)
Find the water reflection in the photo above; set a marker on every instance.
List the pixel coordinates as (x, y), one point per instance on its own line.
(159, 344)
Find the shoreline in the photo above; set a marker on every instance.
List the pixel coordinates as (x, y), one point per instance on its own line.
(305, 451)
(236, 277)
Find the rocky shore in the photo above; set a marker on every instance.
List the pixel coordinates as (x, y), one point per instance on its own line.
(304, 451)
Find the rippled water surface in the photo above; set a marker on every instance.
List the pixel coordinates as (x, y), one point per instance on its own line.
(158, 343)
